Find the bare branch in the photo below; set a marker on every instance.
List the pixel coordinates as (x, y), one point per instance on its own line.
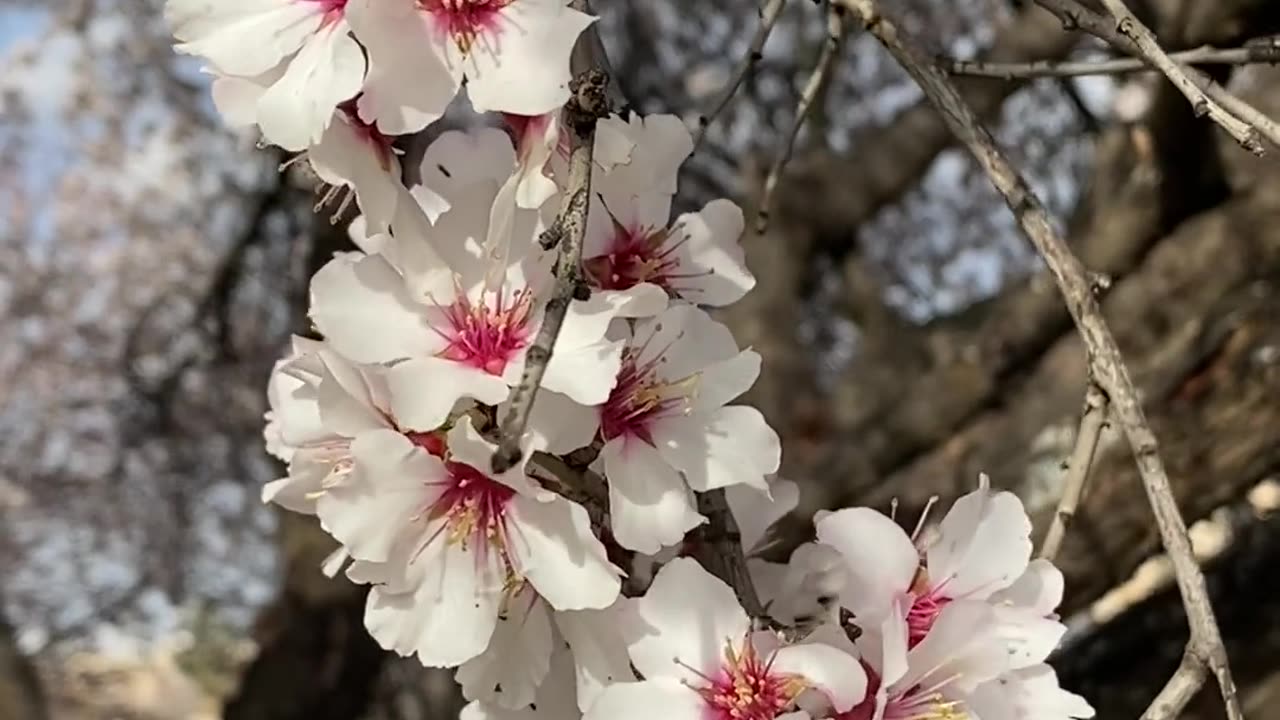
(1246, 112)
(769, 14)
(1128, 25)
(587, 105)
(1092, 420)
(1185, 682)
(1106, 363)
(1075, 16)
(812, 89)
(1247, 55)
(720, 551)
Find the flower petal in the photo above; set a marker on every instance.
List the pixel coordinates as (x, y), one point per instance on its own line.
(983, 545)
(735, 445)
(409, 85)
(1038, 589)
(662, 143)
(880, 558)
(649, 504)
(683, 624)
(723, 382)
(558, 425)
(558, 553)
(345, 401)
(458, 159)
(445, 623)
(529, 34)
(469, 447)
(837, 674)
(242, 38)
(962, 649)
(509, 672)
(1029, 693)
(425, 390)
(390, 485)
(365, 312)
(708, 242)
(346, 157)
(295, 110)
(599, 653)
(663, 698)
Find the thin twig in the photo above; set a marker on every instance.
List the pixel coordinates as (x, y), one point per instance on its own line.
(1202, 104)
(1183, 685)
(1106, 363)
(769, 14)
(1247, 55)
(812, 88)
(1092, 420)
(1243, 110)
(586, 106)
(1075, 16)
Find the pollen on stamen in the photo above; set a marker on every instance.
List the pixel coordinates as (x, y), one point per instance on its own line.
(488, 334)
(639, 397)
(470, 513)
(637, 255)
(746, 687)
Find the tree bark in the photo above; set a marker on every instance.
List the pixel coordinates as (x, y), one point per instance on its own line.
(21, 693)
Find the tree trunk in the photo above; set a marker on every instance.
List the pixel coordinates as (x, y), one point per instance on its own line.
(21, 694)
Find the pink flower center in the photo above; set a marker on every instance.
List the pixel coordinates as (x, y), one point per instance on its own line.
(639, 397)
(474, 507)
(466, 20)
(332, 10)
(433, 442)
(746, 688)
(488, 336)
(926, 602)
(635, 255)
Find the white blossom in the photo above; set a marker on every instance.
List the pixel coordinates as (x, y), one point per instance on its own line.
(982, 547)
(691, 641)
(450, 326)
(448, 545)
(514, 55)
(555, 699)
(962, 668)
(631, 247)
(668, 429)
(349, 154)
(303, 46)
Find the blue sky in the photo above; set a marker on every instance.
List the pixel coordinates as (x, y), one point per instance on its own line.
(19, 22)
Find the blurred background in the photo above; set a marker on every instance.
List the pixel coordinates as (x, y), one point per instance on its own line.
(153, 265)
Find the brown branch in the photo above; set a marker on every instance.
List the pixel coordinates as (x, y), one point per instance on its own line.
(769, 14)
(1205, 646)
(1246, 112)
(1092, 420)
(1075, 16)
(719, 549)
(586, 106)
(812, 89)
(1150, 50)
(1247, 55)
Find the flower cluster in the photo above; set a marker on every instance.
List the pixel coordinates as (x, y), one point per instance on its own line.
(388, 421)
